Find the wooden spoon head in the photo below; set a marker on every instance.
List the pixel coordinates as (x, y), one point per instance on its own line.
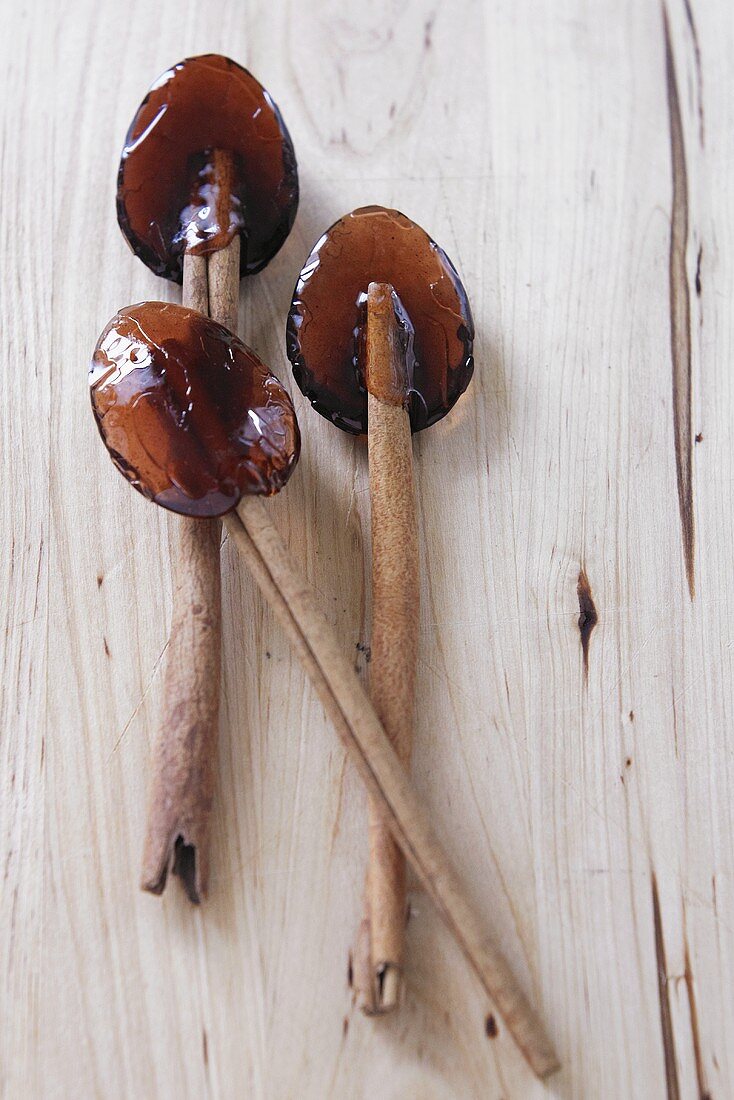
(169, 187)
(189, 414)
(326, 324)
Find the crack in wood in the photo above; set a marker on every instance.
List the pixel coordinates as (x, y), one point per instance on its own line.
(680, 316)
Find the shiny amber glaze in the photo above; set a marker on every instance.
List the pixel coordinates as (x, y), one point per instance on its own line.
(325, 333)
(174, 196)
(189, 414)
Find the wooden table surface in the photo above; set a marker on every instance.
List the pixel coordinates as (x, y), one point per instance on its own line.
(576, 161)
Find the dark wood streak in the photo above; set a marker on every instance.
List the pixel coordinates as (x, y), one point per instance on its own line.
(680, 318)
(666, 1022)
(699, 70)
(703, 1092)
(588, 616)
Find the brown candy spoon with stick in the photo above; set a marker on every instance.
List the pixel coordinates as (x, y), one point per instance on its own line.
(190, 415)
(207, 192)
(380, 336)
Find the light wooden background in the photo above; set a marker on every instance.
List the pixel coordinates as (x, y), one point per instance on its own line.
(579, 169)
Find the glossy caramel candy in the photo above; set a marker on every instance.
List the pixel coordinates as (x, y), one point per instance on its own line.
(207, 156)
(189, 414)
(326, 323)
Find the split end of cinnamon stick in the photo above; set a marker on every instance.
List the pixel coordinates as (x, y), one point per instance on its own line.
(378, 986)
(180, 856)
(382, 992)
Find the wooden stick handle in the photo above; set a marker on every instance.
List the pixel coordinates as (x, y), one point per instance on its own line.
(359, 728)
(394, 636)
(184, 758)
(182, 766)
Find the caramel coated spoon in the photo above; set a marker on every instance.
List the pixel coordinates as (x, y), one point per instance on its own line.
(207, 192)
(380, 337)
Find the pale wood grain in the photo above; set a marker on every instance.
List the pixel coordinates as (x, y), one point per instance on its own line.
(534, 142)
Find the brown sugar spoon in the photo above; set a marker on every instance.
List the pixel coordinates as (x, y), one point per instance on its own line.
(380, 337)
(207, 193)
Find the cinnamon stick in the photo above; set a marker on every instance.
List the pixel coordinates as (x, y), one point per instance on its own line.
(394, 637)
(355, 720)
(184, 757)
